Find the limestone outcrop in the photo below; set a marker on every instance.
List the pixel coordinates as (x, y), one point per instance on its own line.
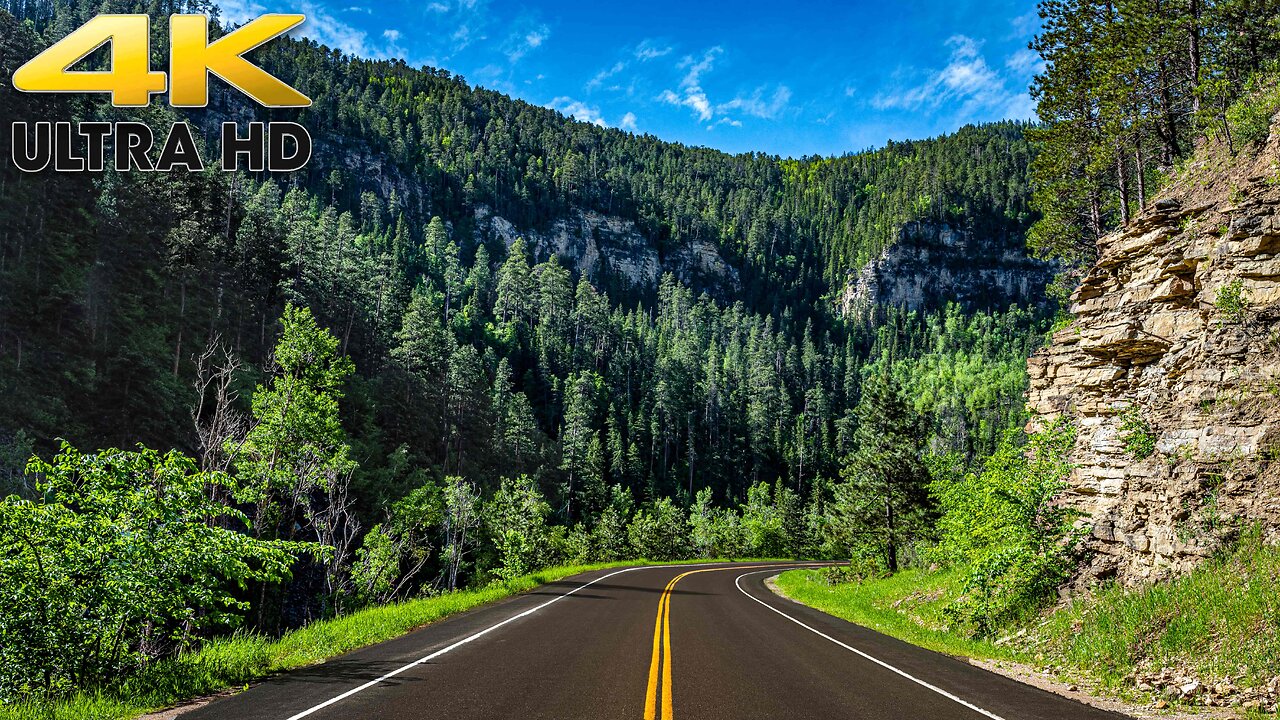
(1170, 371)
(611, 248)
(933, 263)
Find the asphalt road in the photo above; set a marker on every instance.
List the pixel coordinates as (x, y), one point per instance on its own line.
(701, 642)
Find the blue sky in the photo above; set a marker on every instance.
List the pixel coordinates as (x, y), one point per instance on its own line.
(799, 78)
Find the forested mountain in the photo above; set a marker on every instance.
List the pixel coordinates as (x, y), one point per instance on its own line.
(362, 340)
(165, 264)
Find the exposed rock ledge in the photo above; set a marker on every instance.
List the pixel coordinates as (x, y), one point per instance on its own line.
(933, 263)
(601, 246)
(1149, 341)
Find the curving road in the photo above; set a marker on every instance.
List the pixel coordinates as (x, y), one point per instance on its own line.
(655, 643)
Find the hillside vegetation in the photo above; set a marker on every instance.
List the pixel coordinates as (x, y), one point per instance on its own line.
(343, 389)
(383, 400)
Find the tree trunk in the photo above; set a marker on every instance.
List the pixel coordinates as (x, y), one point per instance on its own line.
(182, 315)
(891, 546)
(1194, 53)
(1122, 180)
(1142, 180)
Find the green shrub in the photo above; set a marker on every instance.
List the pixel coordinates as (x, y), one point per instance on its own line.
(1232, 301)
(120, 559)
(1008, 528)
(658, 531)
(1136, 434)
(1250, 117)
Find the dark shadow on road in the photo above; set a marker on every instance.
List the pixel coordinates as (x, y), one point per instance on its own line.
(598, 586)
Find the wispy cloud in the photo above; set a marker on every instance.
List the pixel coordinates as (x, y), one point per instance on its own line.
(967, 82)
(1024, 63)
(693, 96)
(238, 12)
(526, 39)
(649, 49)
(628, 122)
(756, 106)
(581, 111)
(598, 79)
(1025, 25)
(328, 30)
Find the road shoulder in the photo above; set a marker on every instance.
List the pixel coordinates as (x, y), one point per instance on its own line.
(1043, 679)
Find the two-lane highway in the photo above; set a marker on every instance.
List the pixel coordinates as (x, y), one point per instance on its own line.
(654, 643)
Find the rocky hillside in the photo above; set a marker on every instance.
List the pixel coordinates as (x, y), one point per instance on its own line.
(1171, 371)
(934, 263)
(609, 248)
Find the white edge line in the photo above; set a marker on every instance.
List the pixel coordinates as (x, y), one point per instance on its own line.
(477, 635)
(850, 648)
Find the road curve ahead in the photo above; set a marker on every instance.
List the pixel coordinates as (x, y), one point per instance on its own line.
(704, 642)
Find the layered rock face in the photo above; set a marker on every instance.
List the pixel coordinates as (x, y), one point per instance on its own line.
(1175, 351)
(600, 246)
(933, 263)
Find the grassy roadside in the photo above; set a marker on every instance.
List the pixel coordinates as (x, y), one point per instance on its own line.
(1208, 639)
(907, 606)
(239, 659)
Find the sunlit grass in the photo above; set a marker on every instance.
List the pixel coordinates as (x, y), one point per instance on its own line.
(907, 605)
(1220, 621)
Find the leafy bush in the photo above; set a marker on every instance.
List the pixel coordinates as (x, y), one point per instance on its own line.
(1250, 117)
(394, 553)
(658, 532)
(1007, 526)
(1232, 301)
(517, 521)
(1136, 434)
(123, 557)
(769, 521)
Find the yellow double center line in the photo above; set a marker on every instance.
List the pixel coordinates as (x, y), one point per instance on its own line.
(660, 662)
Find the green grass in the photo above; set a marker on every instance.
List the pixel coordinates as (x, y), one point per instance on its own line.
(236, 660)
(907, 605)
(1220, 621)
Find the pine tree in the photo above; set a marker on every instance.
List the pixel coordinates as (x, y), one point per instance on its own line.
(882, 503)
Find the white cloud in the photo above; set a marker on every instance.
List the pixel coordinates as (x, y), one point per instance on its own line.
(328, 30)
(628, 122)
(1024, 62)
(756, 106)
(579, 111)
(650, 49)
(1025, 25)
(521, 42)
(605, 74)
(967, 83)
(324, 28)
(238, 12)
(691, 94)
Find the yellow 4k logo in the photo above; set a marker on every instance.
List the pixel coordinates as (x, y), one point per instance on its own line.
(132, 82)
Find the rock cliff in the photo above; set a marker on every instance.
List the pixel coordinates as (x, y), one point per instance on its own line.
(1171, 372)
(601, 246)
(933, 263)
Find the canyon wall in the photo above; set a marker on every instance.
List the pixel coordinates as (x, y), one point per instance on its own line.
(1171, 373)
